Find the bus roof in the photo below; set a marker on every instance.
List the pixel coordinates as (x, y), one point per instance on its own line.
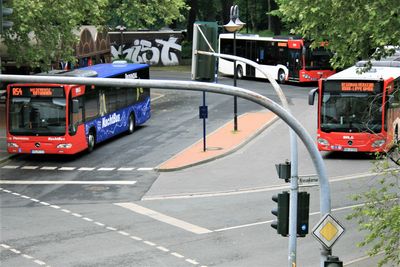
(108, 70)
(258, 38)
(375, 73)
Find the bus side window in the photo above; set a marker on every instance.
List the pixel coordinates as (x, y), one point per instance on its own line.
(91, 103)
(75, 118)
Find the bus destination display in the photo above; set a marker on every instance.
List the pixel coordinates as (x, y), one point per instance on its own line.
(38, 91)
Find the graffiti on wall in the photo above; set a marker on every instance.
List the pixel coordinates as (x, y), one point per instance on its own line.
(153, 52)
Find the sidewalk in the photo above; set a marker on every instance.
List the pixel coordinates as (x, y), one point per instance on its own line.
(3, 144)
(221, 142)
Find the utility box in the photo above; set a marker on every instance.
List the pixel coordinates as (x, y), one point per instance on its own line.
(204, 67)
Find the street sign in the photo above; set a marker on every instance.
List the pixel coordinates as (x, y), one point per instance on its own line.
(203, 112)
(308, 179)
(328, 230)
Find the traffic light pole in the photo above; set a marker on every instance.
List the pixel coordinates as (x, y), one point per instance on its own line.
(293, 156)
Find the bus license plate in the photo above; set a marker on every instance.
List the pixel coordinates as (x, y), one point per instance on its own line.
(350, 149)
(34, 151)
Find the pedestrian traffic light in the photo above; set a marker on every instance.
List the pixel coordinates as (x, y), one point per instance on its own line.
(282, 213)
(5, 11)
(303, 208)
(204, 39)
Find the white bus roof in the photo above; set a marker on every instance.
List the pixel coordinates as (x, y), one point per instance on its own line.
(375, 73)
(257, 37)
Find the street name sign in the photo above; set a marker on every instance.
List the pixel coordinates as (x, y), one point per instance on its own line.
(328, 230)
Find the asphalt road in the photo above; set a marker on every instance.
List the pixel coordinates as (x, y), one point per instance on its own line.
(119, 211)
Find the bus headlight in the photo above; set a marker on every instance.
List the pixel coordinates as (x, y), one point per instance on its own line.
(64, 146)
(378, 143)
(322, 141)
(12, 145)
(306, 76)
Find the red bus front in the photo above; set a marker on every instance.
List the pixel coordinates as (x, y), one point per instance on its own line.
(37, 120)
(307, 64)
(353, 116)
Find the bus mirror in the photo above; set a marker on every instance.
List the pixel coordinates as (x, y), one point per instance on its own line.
(311, 96)
(75, 106)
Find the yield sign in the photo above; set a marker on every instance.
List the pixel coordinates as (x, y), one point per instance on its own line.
(328, 230)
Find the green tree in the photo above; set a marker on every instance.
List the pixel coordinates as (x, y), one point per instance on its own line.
(380, 217)
(148, 14)
(43, 30)
(354, 29)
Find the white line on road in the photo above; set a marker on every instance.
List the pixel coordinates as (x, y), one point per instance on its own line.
(125, 169)
(164, 218)
(68, 182)
(105, 169)
(49, 168)
(30, 167)
(145, 169)
(66, 168)
(86, 169)
(10, 167)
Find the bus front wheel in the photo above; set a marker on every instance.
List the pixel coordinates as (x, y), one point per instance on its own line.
(91, 141)
(281, 76)
(131, 127)
(239, 72)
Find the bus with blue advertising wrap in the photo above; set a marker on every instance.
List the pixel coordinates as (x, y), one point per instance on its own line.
(68, 118)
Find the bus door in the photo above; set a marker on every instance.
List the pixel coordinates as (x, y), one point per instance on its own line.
(251, 54)
(294, 58)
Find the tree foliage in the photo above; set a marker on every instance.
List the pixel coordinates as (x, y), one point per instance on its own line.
(354, 29)
(380, 217)
(43, 29)
(148, 14)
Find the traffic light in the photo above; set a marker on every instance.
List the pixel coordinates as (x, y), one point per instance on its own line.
(282, 213)
(203, 66)
(333, 261)
(5, 11)
(303, 208)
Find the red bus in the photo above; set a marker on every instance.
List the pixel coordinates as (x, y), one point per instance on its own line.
(285, 57)
(360, 112)
(68, 118)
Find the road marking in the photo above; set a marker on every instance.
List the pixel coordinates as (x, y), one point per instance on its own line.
(68, 182)
(30, 167)
(97, 223)
(39, 262)
(360, 259)
(10, 167)
(164, 218)
(145, 169)
(49, 168)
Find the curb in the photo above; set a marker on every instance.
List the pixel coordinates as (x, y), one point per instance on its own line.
(228, 152)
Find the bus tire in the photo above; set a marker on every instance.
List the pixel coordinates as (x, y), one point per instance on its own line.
(239, 72)
(91, 140)
(281, 76)
(132, 124)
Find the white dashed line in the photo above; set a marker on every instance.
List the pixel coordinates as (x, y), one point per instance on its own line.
(163, 249)
(10, 167)
(149, 243)
(67, 182)
(192, 261)
(30, 167)
(48, 168)
(177, 255)
(39, 262)
(145, 169)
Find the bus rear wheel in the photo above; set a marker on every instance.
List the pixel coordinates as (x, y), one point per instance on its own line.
(132, 125)
(91, 141)
(281, 76)
(239, 72)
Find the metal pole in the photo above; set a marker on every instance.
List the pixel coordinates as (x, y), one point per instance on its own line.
(284, 114)
(235, 122)
(204, 125)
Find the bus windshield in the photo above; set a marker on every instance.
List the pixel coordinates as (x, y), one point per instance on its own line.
(318, 58)
(351, 112)
(37, 116)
